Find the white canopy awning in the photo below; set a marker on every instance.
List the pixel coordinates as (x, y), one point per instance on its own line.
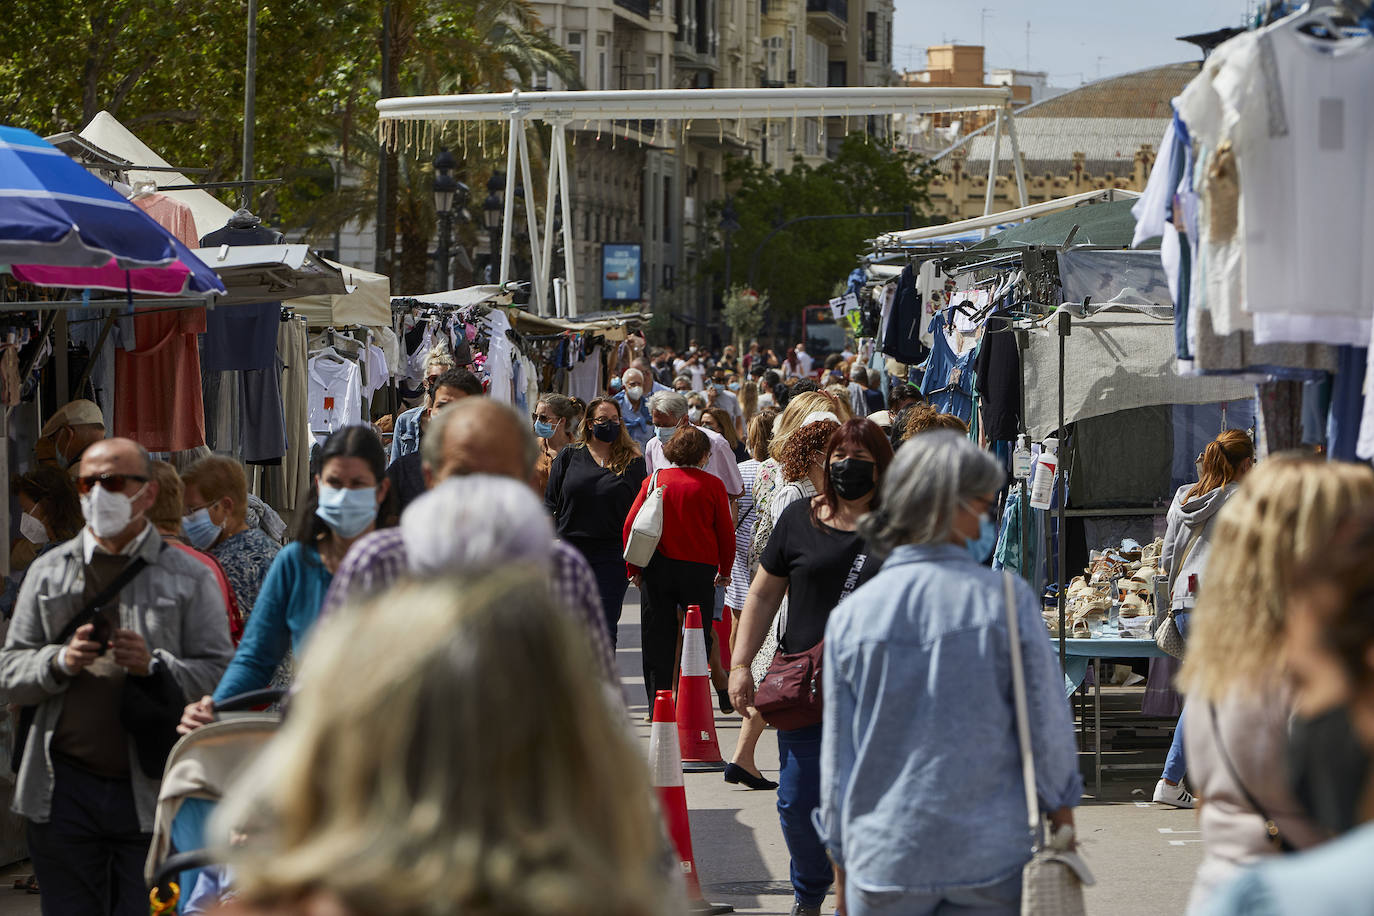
(472, 295)
(992, 220)
(367, 302)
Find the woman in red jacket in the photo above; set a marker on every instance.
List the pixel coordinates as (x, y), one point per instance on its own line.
(694, 554)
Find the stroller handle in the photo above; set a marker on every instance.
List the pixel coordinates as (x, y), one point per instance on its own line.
(182, 861)
(253, 698)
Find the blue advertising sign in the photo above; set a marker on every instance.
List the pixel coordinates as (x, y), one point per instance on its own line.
(621, 270)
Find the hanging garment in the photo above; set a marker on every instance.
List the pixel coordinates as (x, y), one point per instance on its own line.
(906, 321)
(1347, 404)
(172, 215)
(998, 369)
(377, 374)
(1280, 418)
(242, 336)
(262, 420)
(585, 379)
(157, 385)
(336, 394)
(500, 356)
(948, 384)
(295, 391)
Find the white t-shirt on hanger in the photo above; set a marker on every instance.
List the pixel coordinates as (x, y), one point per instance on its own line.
(335, 393)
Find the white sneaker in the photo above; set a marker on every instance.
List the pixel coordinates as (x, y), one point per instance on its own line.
(1176, 796)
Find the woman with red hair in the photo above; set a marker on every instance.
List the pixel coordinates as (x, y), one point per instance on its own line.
(814, 557)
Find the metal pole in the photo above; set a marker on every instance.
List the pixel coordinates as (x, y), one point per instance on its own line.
(560, 142)
(1063, 326)
(537, 263)
(992, 167)
(1017, 164)
(442, 254)
(508, 217)
(250, 91)
(380, 261)
(550, 206)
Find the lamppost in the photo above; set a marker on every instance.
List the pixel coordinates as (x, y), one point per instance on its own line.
(492, 209)
(729, 225)
(449, 195)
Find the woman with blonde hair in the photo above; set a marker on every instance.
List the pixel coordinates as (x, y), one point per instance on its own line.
(557, 423)
(375, 799)
(1187, 541)
(1238, 709)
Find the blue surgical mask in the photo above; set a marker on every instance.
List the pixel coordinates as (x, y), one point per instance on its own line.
(347, 512)
(734, 386)
(664, 433)
(615, 385)
(199, 530)
(718, 386)
(543, 430)
(981, 548)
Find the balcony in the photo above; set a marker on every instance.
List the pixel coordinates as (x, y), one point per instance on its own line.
(638, 7)
(831, 14)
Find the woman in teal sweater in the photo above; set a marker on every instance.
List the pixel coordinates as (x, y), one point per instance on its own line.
(350, 490)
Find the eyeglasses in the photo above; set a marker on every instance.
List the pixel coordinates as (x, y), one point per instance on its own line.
(115, 483)
(544, 419)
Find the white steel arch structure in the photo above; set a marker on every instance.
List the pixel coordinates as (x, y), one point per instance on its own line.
(407, 121)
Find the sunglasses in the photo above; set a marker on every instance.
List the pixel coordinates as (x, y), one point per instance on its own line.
(543, 419)
(115, 483)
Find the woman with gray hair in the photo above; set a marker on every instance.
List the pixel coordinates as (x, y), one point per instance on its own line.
(450, 530)
(919, 720)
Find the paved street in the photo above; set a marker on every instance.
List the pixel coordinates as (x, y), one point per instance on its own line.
(1143, 855)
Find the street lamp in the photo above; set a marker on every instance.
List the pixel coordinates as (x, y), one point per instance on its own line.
(446, 188)
(493, 209)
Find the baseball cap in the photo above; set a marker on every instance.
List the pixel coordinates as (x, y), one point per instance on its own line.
(80, 412)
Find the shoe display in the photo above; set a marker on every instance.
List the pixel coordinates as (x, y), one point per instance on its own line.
(1174, 796)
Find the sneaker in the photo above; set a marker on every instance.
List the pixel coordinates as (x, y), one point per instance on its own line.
(800, 909)
(1175, 796)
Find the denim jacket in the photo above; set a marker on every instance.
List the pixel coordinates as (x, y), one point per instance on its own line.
(921, 787)
(405, 435)
(638, 423)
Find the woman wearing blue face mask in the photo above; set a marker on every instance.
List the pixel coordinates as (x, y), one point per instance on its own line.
(349, 491)
(557, 422)
(922, 805)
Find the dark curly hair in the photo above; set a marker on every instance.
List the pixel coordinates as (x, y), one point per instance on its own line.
(803, 448)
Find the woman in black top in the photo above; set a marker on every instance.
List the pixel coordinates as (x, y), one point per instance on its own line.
(815, 557)
(718, 420)
(592, 484)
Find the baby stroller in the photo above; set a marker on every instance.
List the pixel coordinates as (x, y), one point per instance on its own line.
(201, 766)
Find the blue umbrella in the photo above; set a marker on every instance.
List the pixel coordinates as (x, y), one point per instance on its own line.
(53, 212)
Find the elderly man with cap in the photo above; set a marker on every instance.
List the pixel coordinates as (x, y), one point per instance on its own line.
(87, 784)
(75, 427)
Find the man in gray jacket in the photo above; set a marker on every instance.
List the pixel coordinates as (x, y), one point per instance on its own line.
(88, 803)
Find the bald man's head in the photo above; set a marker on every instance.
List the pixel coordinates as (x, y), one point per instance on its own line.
(478, 436)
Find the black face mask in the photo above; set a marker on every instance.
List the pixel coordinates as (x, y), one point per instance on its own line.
(606, 432)
(1328, 768)
(852, 478)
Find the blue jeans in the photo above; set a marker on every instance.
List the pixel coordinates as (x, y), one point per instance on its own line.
(611, 584)
(997, 900)
(1176, 765)
(799, 793)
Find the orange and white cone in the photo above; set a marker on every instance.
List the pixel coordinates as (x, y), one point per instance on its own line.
(665, 771)
(696, 714)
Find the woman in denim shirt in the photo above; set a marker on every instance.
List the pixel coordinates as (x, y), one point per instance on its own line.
(923, 809)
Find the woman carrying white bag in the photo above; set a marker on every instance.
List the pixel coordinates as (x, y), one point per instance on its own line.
(945, 715)
(679, 545)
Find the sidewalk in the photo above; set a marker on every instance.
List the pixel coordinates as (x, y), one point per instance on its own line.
(1143, 855)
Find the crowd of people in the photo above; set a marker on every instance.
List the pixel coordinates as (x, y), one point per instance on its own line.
(478, 754)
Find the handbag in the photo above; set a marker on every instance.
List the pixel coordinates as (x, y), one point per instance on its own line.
(150, 709)
(1271, 828)
(83, 616)
(647, 528)
(1167, 635)
(790, 695)
(1052, 881)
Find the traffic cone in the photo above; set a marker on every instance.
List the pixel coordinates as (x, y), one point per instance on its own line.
(696, 714)
(665, 770)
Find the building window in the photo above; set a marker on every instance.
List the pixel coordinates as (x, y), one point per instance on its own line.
(651, 80)
(871, 36)
(575, 52)
(817, 59)
(836, 73)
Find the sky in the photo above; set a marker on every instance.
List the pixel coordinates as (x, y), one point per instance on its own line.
(1075, 41)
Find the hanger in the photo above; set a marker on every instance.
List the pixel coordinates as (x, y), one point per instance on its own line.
(1320, 20)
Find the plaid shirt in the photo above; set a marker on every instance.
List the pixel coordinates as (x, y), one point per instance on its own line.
(378, 560)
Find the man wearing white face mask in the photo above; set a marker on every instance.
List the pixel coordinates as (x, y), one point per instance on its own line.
(634, 407)
(86, 784)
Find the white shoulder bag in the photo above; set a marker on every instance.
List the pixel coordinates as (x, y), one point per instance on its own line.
(647, 527)
(1053, 880)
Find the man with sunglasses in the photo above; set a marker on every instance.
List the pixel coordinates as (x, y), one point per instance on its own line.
(81, 785)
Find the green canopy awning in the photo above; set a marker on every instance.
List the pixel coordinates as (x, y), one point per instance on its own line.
(1107, 224)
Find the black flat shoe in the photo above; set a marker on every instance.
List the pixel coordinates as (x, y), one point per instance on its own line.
(725, 707)
(738, 775)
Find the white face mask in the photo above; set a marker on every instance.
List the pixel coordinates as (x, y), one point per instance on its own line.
(107, 513)
(34, 531)
(694, 414)
(634, 391)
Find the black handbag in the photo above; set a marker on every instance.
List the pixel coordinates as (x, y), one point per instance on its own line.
(83, 617)
(150, 709)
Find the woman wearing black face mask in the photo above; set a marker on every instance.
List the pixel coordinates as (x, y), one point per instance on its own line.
(1329, 648)
(814, 557)
(592, 485)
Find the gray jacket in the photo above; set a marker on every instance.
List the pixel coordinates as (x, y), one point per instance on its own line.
(1189, 518)
(175, 604)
